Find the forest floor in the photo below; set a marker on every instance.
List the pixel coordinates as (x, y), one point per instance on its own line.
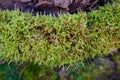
(102, 68)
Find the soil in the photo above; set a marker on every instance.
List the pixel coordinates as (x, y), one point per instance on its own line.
(54, 7)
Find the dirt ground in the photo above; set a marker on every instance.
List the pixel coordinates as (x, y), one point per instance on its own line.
(53, 7)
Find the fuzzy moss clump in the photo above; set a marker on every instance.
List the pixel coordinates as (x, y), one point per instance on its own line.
(51, 41)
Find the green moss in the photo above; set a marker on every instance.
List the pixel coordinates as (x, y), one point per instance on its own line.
(51, 41)
(108, 15)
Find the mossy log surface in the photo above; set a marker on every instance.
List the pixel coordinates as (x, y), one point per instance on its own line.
(51, 41)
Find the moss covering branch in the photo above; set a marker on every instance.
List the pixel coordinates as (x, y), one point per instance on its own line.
(51, 41)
